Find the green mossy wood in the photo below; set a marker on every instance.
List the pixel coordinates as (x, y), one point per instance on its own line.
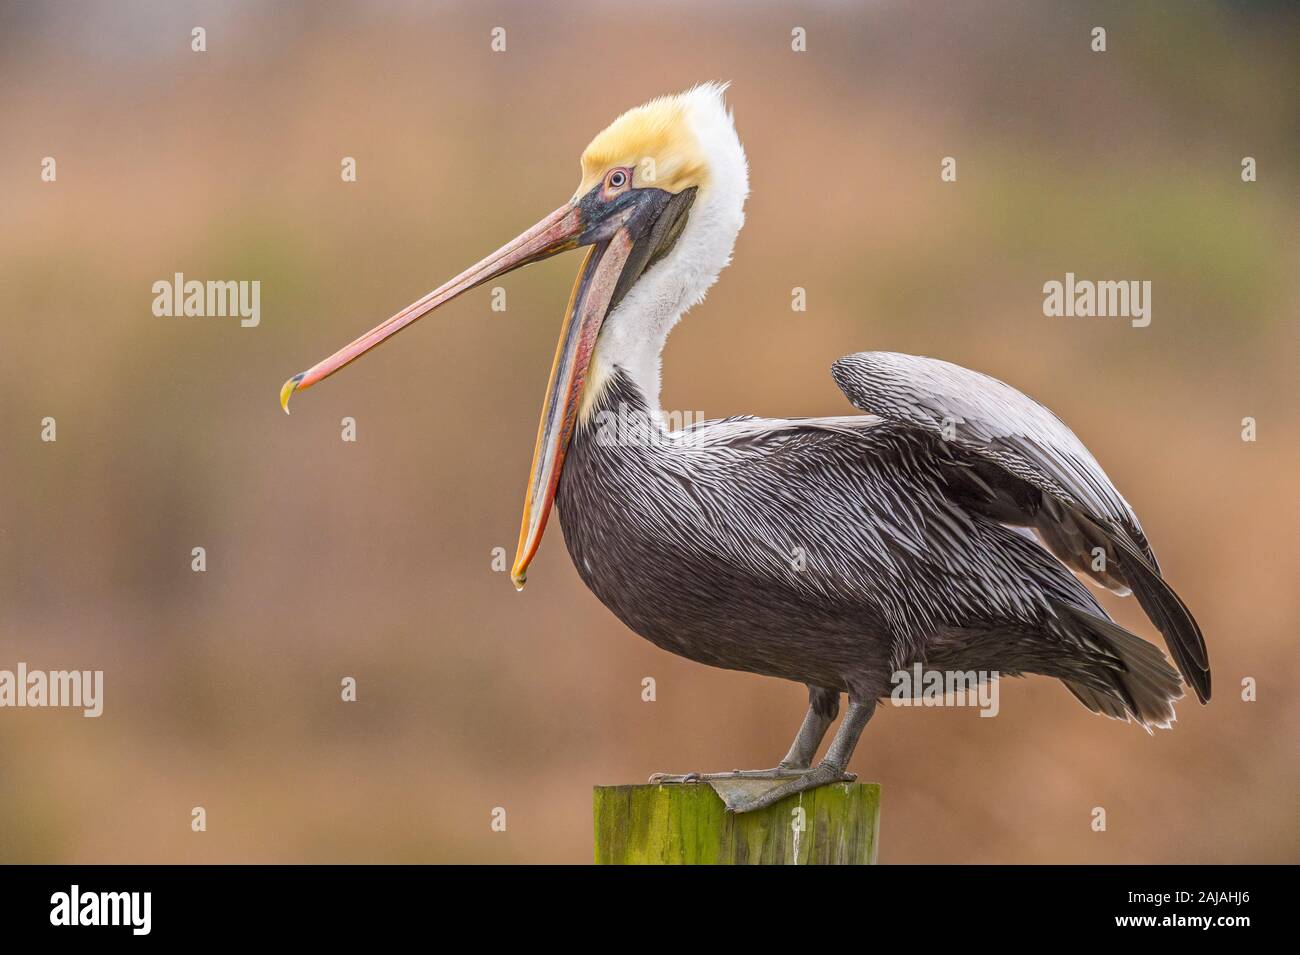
(688, 825)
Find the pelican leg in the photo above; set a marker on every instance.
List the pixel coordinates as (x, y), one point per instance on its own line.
(823, 706)
(830, 770)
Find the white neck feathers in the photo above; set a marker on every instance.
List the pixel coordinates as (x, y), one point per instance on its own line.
(635, 332)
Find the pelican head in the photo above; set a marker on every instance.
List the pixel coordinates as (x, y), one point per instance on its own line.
(658, 209)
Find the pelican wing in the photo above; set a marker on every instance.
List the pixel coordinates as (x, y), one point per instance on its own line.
(1014, 460)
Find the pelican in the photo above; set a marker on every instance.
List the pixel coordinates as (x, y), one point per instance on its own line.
(943, 527)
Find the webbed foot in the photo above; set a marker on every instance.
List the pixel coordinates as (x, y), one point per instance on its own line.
(782, 771)
(821, 775)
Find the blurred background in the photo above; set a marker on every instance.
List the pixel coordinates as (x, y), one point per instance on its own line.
(373, 559)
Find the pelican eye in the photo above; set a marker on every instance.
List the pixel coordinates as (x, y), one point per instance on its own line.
(617, 179)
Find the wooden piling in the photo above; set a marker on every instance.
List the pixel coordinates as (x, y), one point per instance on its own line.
(688, 824)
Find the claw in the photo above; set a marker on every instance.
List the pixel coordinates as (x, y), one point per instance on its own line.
(662, 779)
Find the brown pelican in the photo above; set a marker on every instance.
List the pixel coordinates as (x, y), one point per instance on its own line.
(943, 528)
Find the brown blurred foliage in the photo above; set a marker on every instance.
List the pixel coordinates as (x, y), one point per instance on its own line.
(373, 559)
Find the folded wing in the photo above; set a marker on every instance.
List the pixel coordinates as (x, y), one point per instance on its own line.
(1015, 461)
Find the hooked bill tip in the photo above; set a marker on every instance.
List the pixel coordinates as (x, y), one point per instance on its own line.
(519, 579)
(287, 390)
